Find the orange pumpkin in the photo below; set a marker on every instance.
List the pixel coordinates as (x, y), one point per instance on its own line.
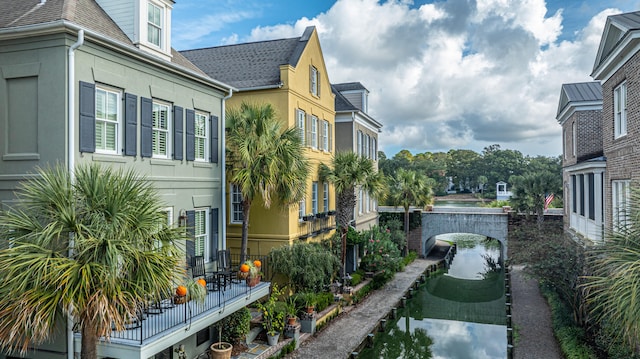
(244, 268)
(202, 282)
(181, 291)
(257, 263)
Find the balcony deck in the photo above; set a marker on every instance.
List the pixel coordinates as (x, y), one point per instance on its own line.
(165, 323)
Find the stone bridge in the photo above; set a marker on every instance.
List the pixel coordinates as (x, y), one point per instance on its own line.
(489, 222)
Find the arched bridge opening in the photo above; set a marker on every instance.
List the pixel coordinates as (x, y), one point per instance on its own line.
(489, 222)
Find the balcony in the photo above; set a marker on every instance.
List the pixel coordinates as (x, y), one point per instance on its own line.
(319, 223)
(165, 323)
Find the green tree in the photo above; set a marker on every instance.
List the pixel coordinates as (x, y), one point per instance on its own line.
(348, 173)
(264, 160)
(463, 166)
(409, 188)
(93, 248)
(530, 190)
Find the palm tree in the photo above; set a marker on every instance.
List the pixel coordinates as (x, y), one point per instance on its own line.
(612, 288)
(409, 188)
(94, 248)
(263, 160)
(348, 173)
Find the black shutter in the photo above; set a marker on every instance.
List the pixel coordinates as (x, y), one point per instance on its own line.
(87, 134)
(213, 121)
(213, 238)
(190, 248)
(191, 134)
(131, 124)
(146, 127)
(177, 132)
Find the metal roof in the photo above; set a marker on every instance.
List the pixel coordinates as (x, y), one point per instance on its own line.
(579, 92)
(250, 65)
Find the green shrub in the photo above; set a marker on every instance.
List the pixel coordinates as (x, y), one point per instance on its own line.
(234, 327)
(323, 300)
(308, 266)
(356, 278)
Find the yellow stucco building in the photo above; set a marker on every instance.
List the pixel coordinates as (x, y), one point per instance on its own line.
(291, 75)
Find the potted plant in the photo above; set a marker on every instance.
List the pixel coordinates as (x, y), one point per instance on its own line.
(292, 311)
(309, 300)
(272, 316)
(220, 350)
(250, 271)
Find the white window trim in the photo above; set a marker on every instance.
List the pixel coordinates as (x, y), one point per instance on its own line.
(103, 121)
(205, 137)
(159, 130)
(314, 132)
(314, 198)
(160, 26)
(620, 110)
(301, 118)
(301, 209)
(236, 212)
(314, 81)
(325, 135)
(620, 206)
(204, 236)
(325, 197)
(360, 204)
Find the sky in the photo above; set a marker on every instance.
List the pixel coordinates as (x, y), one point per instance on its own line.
(441, 75)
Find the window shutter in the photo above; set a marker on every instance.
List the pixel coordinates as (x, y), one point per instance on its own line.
(317, 83)
(213, 151)
(308, 131)
(213, 236)
(131, 124)
(191, 135)
(310, 78)
(87, 98)
(190, 248)
(146, 127)
(330, 138)
(177, 132)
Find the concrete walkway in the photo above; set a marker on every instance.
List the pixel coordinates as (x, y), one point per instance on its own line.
(344, 334)
(531, 318)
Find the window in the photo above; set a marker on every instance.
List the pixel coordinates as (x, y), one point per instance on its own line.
(301, 209)
(161, 114)
(359, 143)
(201, 234)
(314, 197)
(574, 139)
(325, 197)
(591, 194)
(581, 206)
(325, 135)
(620, 110)
(360, 204)
(621, 194)
(574, 194)
(314, 132)
(374, 148)
(365, 150)
(108, 121)
(314, 81)
(300, 124)
(236, 204)
(154, 24)
(201, 137)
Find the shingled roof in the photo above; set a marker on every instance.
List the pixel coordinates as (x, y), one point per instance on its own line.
(250, 65)
(341, 102)
(86, 14)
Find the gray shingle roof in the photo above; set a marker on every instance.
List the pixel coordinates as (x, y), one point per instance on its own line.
(84, 13)
(579, 92)
(349, 86)
(249, 65)
(341, 102)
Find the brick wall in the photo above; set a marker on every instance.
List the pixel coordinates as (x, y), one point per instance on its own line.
(623, 154)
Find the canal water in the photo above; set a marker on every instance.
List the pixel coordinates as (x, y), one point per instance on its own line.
(456, 315)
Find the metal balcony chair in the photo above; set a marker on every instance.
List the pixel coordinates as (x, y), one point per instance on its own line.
(226, 273)
(198, 270)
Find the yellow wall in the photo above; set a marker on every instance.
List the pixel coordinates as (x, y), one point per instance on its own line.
(279, 226)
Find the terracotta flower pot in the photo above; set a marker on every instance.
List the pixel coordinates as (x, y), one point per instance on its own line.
(220, 350)
(253, 281)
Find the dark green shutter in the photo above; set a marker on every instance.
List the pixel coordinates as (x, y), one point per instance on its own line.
(146, 127)
(87, 98)
(177, 132)
(131, 124)
(190, 128)
(213, 120)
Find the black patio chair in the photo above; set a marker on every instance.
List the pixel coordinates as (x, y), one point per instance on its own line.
(198, 270)
(226, 273)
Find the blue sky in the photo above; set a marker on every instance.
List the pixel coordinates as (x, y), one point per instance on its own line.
(450, 74)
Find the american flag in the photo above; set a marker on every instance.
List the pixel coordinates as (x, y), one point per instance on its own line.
(547, 200)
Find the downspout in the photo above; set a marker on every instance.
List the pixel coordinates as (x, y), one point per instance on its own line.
(71, 160)
(223, 179)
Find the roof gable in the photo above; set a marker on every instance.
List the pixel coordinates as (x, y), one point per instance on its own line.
(253, 64)
(619, 38)
(582, 96)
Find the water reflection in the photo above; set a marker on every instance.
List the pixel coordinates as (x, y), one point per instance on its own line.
(457, 315)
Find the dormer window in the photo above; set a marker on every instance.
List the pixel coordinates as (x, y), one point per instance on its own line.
(314, 80)
(154, 24)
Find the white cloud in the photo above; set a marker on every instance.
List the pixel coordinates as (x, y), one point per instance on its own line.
(453, 75)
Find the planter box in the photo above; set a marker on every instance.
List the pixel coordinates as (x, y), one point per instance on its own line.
(308, 325)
